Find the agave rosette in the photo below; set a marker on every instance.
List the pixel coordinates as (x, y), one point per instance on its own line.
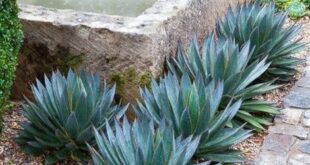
(192, 109)
(61, 117)
(142, 144)
(225, 61)
(264, 27)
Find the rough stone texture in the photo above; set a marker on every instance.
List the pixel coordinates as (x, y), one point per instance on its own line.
(112, 45)
(278, 143)
(298, 98)
(287, 129)
(270, 158)
(298, 159)
(298, 154)
(307, 114)
(289, 116)
(307, 69)
(306, 122)
(305, 147)
(304, 82)
(306, 119)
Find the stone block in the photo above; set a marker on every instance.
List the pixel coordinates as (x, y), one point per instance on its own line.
(289, 116)
(270, 158)
(286, 129)
(300, 153)
(305, 147)
(126, 50)
(299, 159)
(304, 82)
(298, 98)
(278, 143)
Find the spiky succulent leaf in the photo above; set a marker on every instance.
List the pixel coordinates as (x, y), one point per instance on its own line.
(62, 115)
(192, 108)
(142, 144)
(264, 27)
(226, 61)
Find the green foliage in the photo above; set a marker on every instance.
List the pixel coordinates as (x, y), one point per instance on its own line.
(307, 3)
(264, 28)
(63, 113)
(225, 61)
(296, 9)
(192, 108)
(282, 4)
(142, 144)
(10, 43)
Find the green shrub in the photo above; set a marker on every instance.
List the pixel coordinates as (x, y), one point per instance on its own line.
(264, 28)
(192, 110)
(296, 9)
(225, 61)
(142, 144)
(307, 3)
(63, 113)
(10, 43)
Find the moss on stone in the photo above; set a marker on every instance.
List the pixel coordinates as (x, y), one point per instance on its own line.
(35, 61)
(62, 60)
(131, 78)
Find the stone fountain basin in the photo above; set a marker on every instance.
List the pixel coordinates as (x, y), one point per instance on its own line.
(125, 50)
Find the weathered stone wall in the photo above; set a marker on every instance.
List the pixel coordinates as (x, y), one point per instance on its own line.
(125, 50)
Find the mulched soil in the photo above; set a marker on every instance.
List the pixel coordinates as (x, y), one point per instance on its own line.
(11, 154)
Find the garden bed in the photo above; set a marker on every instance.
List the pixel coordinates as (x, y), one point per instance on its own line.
(203, 93)
(10, 152)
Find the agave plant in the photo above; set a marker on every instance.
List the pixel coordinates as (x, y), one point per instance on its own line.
(61, 117)
(142, 144)
(263, 26)
(192, 109)
(225, 61)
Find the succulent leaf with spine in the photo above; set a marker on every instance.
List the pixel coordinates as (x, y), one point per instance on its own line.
(142, 144)
(61, 117)
(264, 27)
(192, 109)
(224, 60)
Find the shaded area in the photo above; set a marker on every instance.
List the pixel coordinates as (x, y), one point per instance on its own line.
(35, 61)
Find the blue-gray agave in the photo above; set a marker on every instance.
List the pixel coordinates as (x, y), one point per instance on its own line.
(224, 60)
(192, 108)
(61, 117)
(263, 26)
(142, 144)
